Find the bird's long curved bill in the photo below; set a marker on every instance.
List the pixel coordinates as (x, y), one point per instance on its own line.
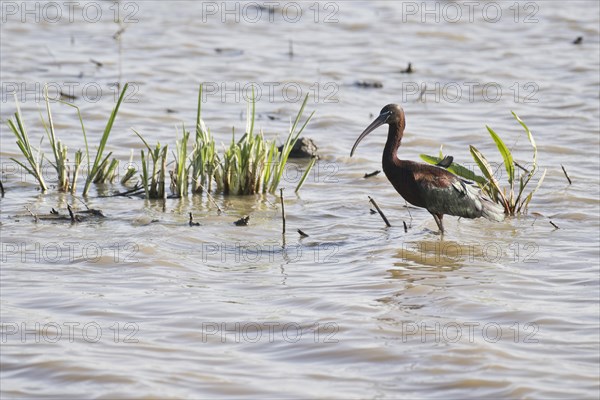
(374, 125)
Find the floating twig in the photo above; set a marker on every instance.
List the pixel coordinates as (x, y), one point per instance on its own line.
(1, 189)
(370, 174)
(565, 172)
(192, 223)
(372, 211)
(67, 96)
(117, 34)
(380, 212)
(242, 221)
(302, 234)
(98, 63)
(282, 211)
(136, 188)
(93, 212)
(408, 70)
(35, 217)
(212, 200)
(82, 202)
(554, 225)
(368, 84)
(73, 219)
(405, 227)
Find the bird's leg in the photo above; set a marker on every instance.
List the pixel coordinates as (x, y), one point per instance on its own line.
(438, 221)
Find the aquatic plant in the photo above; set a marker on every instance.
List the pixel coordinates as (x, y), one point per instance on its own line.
(203, 159)
(59, 150)
(153, 183)
(100, 165)
(35, 160)
(513, 197)
(306, 172)
(107, 172)
(76, 167)
(179, 177)
(249, 165)
(253, 164)
(131, 171)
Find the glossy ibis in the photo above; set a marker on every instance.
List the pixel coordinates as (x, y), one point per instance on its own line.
(428, 186)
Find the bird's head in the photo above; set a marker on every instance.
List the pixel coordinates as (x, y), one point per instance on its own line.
(391, 114)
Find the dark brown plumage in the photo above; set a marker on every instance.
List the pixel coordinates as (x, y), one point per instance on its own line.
(428, 186)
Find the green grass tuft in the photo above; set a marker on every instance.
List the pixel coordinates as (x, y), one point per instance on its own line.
(513, 198)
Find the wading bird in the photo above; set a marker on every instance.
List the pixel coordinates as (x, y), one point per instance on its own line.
(431, 187)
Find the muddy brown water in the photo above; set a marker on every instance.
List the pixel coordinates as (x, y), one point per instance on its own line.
(140, 304)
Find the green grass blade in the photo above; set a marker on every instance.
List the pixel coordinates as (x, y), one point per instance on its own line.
(486, 169)
(24, 166)
(250, 114)
(87, 149)
(530, 196)
(20, 133)
(199, 109)
(143, 140)
(531, 140)
(305, 175)
(509, 163)
(95, 167)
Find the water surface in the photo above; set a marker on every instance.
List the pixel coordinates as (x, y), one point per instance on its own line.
(142, 305)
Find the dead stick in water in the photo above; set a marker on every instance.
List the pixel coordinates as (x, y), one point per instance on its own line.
(2, 188)
(282, 210)
(35, 217)
(71, 213)
(302, 234)
(219, 211)
(565, 172)
(380, 212)
(371, 174)
(191, 221)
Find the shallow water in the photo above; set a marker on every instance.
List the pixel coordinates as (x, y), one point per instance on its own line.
(142, 305)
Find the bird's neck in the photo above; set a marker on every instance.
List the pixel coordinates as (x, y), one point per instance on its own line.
(390, 156)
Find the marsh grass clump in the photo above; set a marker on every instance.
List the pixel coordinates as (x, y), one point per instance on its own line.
(203, 158)
(131, 171)
(248, 165)
(254, 164)
(514, 197)
(35, 159)
(107, 172)
(179, 176)
(153, 182)
(59, 150)
(100, 171)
